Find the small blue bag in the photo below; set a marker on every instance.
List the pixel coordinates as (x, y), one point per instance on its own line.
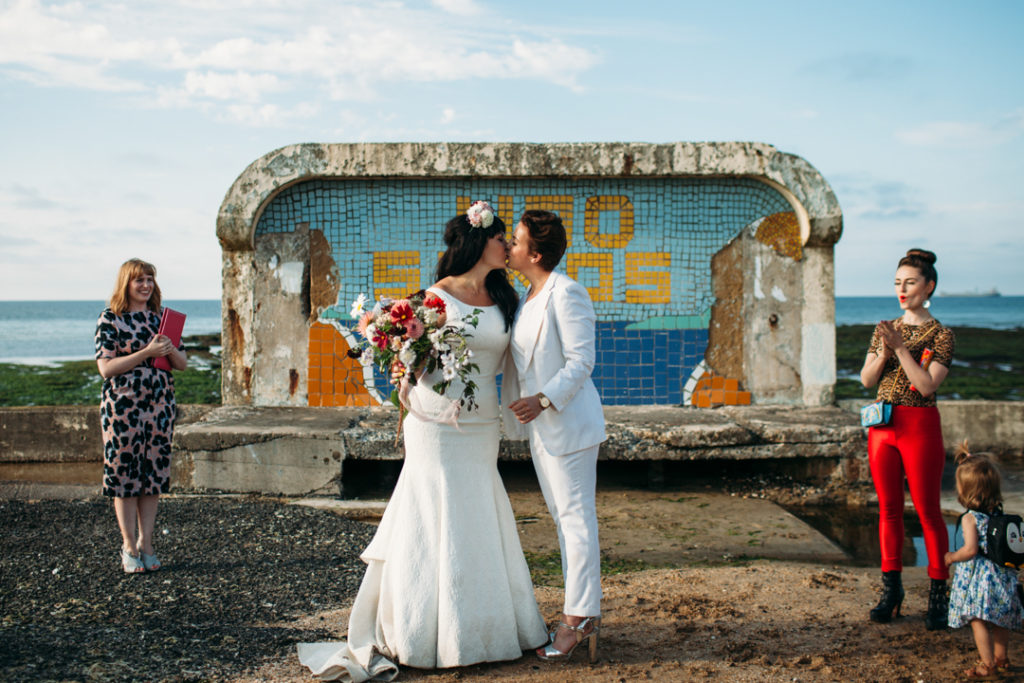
(876, 414)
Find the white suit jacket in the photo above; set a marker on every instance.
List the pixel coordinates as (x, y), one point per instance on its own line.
(559, 361)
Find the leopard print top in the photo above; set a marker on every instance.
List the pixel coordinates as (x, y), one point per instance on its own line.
(894, 385)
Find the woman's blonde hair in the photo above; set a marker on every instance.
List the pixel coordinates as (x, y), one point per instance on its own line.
(978, 482)
(131, 269)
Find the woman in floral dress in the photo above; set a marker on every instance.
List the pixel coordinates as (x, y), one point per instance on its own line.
(137, 410)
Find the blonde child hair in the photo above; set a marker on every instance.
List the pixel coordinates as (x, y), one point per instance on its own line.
(978, 482)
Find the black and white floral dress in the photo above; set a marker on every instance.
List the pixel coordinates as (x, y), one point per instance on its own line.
(137, 410)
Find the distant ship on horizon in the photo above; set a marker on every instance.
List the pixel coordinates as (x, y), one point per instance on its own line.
(974, 295)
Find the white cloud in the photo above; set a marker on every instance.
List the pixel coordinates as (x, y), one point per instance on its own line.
(253, 59)
(964, 134)
(448, 115)
(466, 8)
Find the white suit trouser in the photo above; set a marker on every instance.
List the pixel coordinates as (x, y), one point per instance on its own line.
(568, 483)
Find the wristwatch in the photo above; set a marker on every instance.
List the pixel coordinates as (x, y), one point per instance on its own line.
(545, 402)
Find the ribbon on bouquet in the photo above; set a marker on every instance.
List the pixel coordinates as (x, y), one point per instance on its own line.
(447, 412)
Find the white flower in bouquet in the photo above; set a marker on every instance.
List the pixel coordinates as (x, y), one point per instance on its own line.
(449, 372)
(407, 355)
(437, 341)
(359, 306)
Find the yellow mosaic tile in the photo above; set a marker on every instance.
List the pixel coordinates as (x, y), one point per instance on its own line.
(577, 265)
(595, 206)
(400, 268)
(656, 284)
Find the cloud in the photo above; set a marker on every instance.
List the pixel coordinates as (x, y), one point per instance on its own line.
(861, 67)
(26, 198)
(258, 62)
(962, 134)
(877, 200)
(466, 8)
(448, 115)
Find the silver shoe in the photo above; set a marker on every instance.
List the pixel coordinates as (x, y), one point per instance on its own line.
(553, 654)
(130, 563)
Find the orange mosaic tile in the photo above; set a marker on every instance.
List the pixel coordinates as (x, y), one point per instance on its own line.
(334, 378)
(715, 390)
(781, 232)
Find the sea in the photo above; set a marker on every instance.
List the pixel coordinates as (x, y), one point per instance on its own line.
(46, 332)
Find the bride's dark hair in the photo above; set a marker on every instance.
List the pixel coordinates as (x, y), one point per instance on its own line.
(465, 247)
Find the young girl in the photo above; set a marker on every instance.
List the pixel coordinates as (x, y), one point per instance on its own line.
(983, 594)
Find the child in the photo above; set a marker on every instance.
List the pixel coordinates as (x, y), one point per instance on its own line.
(983, 594)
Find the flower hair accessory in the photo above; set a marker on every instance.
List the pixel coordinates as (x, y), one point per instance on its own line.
(480, 214)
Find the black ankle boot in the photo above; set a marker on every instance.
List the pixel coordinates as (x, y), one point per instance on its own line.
(892, 597)
(937, 616)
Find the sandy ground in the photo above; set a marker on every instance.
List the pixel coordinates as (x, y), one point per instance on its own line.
(741, 591)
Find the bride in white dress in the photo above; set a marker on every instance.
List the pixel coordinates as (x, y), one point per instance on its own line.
(446, 583)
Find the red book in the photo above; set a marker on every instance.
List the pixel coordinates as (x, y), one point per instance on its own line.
(171, 324)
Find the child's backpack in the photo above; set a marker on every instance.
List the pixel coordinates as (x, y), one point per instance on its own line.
(1005, 542)
(1004, 539)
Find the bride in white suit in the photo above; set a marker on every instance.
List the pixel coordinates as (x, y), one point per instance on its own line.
(552, 401)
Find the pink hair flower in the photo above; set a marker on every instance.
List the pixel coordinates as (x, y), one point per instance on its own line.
(480, 214)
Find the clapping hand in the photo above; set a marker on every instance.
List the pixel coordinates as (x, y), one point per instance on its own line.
(892, 338)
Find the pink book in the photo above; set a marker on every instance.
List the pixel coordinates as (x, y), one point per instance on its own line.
(171, 324)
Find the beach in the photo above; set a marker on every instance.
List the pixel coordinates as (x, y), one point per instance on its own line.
(700, 584)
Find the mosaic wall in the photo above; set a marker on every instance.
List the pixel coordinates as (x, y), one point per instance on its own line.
(642, 247)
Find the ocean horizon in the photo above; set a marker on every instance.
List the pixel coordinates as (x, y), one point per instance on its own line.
(45, 332)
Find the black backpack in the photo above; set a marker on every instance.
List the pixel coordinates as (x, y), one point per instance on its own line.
(1004, 539)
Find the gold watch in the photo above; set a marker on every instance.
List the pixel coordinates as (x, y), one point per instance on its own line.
(545, 402)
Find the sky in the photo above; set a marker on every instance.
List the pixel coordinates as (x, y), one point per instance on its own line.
(123, 124)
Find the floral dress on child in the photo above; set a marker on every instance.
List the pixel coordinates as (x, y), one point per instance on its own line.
(983, 590)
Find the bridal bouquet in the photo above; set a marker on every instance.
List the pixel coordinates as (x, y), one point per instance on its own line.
(408, 338)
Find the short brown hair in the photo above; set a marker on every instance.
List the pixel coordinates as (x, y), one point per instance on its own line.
(547, 236)
(978, 482)
(131, 269)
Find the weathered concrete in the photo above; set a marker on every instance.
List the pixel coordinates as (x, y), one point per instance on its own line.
(62, 433)
(293, 451)
(993, 426)
(298, 450)
(784, 312)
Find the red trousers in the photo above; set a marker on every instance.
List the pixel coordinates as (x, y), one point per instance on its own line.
(910, 446)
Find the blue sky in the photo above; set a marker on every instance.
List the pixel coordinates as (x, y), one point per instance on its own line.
(122, 124)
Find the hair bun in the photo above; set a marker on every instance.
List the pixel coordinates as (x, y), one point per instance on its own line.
(923, 254)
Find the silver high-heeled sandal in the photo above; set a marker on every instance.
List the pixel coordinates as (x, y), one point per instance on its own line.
(553, 654)
(130, 563)
(150, 562)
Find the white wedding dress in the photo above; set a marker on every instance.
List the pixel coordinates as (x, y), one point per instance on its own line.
(446, 583)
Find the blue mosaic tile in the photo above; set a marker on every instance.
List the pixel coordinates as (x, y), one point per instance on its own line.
(647, 328)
